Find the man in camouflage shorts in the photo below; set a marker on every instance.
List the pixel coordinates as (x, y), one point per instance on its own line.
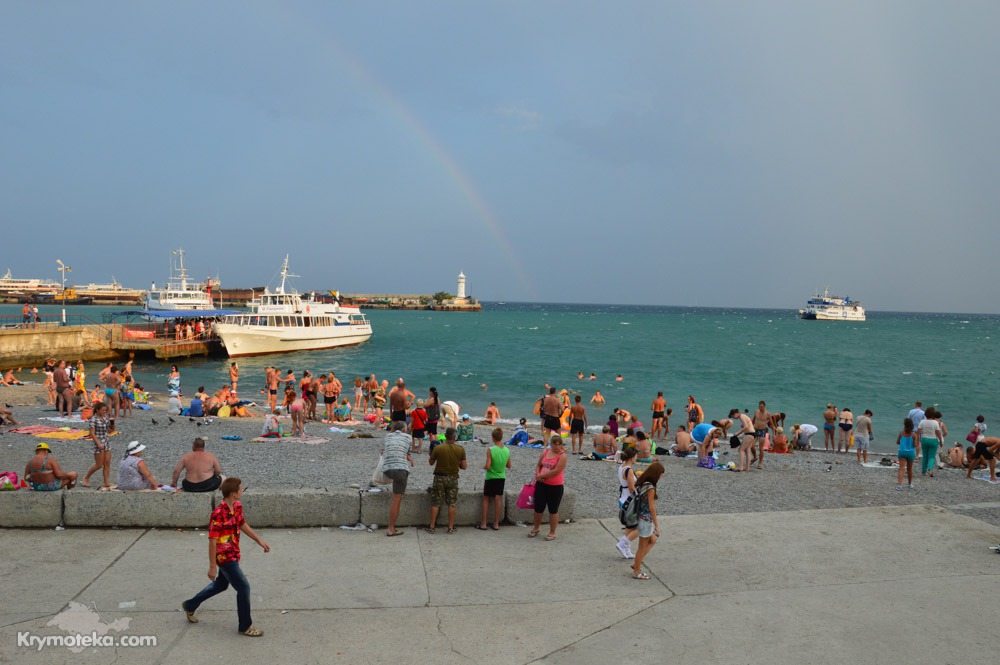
(447, 458)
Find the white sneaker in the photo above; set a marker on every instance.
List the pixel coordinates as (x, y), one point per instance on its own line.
(624, 548)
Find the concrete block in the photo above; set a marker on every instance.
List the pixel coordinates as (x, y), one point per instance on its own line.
(514, 514)
(137, 509)
(26, 508)
(415, 509)
(299, 507)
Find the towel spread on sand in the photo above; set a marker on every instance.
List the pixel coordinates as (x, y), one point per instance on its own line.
(311, 440)
(986, 477)
(60, 419)
(71, 435)
(34, 429)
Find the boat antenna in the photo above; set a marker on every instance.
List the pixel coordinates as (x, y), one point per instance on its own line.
(284, 274)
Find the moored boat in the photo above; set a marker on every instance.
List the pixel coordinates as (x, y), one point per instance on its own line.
(179, 293)
(832, 308)
(282, 321)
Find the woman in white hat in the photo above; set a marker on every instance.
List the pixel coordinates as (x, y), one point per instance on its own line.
(132, 472)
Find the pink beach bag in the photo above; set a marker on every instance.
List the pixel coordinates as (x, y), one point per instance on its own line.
(526, 499)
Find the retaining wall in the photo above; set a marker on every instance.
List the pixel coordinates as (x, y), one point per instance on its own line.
(263, 508)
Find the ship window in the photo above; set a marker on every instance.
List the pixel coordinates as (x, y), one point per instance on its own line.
(270, 320)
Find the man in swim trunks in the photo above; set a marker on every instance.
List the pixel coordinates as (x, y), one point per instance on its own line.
(64, 389)
(202, 472)
(829, 427)
(551, 408)
(761, 420)
(577, 425)
(987, 448)
(42, 472)
(492, 413)
(659, 406)
(684, 444)
(330, 393)
(234, 375)
(400, 399)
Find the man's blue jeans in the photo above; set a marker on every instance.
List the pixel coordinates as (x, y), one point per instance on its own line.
(229, 574)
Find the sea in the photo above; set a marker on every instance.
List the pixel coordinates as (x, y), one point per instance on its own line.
(725, 358)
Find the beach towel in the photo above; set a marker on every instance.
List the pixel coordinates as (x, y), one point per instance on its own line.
(34, 429)
(71, 435)
(60, 419)
(231, 437)
(986, 477)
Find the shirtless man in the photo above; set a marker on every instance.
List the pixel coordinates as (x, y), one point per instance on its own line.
(659, 406)
(202, 472)
(830, 427)
(724, 424)
(987, 449)
(684, 445)
(492, 413)
(42, 472)
(604, 444)
(577, 425)
(104, 372)
(761, 421)
(400, 399)
(551, 408)
(597, 399)
(64, 389)
(234, 376)
(272, 389)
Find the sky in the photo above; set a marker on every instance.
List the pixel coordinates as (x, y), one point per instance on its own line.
(732, 154)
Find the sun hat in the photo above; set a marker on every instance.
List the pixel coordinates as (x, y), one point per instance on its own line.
(42, 446)
(134, 447)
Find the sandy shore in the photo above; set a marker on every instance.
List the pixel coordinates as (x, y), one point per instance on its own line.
(787, 482)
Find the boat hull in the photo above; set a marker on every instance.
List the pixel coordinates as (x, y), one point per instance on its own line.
(831, 316)
(241, 341)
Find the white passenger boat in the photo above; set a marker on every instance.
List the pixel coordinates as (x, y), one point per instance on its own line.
(832, 308)
(113, 293)
(179, 293)
(10, 286)
(281, 321)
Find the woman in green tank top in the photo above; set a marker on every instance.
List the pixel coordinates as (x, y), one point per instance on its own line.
(497, 463)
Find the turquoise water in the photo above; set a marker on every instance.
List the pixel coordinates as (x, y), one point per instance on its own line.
(726, 358)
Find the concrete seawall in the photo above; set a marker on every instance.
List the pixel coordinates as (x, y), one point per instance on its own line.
(263, 508)
(31, 347)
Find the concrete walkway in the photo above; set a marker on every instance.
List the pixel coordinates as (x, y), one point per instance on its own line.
(869, 585)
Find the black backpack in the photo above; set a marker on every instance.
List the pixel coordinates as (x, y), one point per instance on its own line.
(628, 513)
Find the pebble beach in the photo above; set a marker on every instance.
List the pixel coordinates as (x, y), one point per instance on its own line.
(801, 481)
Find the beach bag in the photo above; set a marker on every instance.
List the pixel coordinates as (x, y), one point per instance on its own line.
(526, 499)
(378, 478)
(86, 413)
(224, 411)
(628, 512)
(973, 436)
(9, 482)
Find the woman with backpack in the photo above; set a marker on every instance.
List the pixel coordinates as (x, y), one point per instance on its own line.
(626, 488)
(649, 525)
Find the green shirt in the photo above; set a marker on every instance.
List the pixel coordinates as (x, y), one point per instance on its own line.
(498, 456)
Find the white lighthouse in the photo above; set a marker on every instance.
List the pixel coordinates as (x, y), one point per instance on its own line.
(460, 295)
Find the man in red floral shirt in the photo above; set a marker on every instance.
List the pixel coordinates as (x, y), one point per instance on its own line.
(224, 530)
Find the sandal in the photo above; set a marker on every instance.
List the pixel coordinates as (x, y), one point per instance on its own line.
(480, 527)
(451, 530)
(640, 576)
(532, 534)
(550, 537)
(395, 533)
(252, 632)
(430, 530)
(495, 528)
